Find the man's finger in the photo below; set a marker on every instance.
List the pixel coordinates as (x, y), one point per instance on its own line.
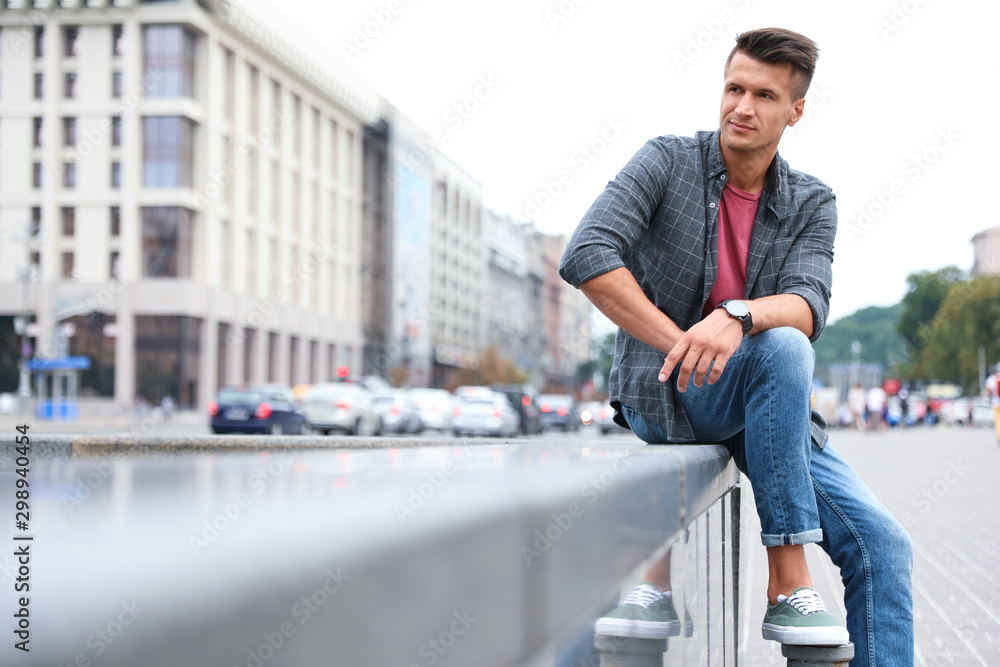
(678, 353)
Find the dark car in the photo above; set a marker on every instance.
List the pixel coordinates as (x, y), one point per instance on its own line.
(558, 411)
(267, 408)
(524, 398)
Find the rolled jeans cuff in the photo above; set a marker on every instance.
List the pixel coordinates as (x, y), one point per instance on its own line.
(805, 537)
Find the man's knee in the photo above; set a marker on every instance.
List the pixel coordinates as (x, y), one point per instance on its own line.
(787, 348)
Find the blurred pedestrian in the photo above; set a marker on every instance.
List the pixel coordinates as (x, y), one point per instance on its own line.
(856, 402)
(993, 387)
(876, 408)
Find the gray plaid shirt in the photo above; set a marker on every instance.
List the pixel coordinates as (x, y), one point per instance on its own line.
(659, 218)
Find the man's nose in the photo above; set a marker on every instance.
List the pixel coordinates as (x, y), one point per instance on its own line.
(745, 106)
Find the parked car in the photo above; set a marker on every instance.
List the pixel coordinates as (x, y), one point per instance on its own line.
(559, 411)
(267, 408)
(481, 414)
(606, 420)
(398, 411)
(343, 407)
(434, 407)
(524, 398)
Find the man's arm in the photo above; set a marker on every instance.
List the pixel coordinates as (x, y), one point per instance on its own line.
(619, 297)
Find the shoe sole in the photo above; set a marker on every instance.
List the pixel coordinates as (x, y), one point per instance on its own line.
(824, 636)
(620, 627)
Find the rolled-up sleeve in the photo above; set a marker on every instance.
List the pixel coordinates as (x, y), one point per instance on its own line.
(808, 267)
(619, 216)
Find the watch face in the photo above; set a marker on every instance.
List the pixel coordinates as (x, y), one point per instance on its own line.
(737, 309)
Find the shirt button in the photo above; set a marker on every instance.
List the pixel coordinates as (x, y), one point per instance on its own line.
(712, 205)
(723, 177)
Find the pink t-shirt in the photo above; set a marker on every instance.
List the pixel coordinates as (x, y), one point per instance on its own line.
(737, 211)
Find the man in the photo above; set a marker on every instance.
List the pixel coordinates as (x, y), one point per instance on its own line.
(713, 252)
(876, 408)
(993, 389)
(857, 400)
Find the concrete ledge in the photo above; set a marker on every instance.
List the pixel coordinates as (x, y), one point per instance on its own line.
(818, 656)
(306, 552)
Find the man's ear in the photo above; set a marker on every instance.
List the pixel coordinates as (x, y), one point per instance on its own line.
(797, 110)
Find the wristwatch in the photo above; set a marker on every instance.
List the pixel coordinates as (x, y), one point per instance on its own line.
(740, 311)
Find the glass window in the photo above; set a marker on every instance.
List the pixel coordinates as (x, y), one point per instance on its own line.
(116, 131)
(71, 41)
(116, 174)
(117, 41)
(69, 90)
(69, 175)
(67, 266)
(68, 220)
(36, 221)
(168, 358)
(114, 268)
(39, 85)
(169, 51)
(116, 85)
(168, 151)
(69, 131)
(116, 221)
(39, 41)
(166, 242)
(38, 132)
(36, 175)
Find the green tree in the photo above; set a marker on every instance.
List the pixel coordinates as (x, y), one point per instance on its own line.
(926, 291)
(875, 328)
(968, 318)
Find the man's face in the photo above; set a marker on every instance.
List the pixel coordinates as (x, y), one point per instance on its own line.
(757, 104)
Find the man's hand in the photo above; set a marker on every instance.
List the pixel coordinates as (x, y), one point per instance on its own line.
(711, 342)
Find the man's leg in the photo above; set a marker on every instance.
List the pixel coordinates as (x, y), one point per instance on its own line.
(875, 557)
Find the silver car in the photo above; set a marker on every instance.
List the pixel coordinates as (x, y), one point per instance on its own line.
(346, 408)
(481, 414)
(399, 412)
(434, 406)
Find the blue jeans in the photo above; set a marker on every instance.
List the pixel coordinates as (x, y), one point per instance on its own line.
(760, 410)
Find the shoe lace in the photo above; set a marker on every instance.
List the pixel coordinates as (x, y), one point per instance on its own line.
(807, 602)
(643, 596)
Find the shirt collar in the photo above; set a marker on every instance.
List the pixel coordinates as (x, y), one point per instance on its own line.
(775, 185)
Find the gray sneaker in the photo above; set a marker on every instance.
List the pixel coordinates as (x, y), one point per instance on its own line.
(646, 613)
(802, 619)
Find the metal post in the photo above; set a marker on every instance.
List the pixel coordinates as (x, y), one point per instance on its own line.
(818, 656)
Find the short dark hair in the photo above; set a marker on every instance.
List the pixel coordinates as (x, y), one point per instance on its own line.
(778, 46)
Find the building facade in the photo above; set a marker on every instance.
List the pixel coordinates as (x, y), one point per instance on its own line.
(986, 253)
(185, 193)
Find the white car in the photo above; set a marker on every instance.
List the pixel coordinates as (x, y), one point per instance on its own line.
(341, 407)
(485, 415)
(434, 406)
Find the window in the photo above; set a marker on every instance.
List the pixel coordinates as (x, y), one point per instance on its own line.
(169, 51)
(69, 90)
(69, 175)
(39, 41)
(166, 242)
(68, 221)
(116, 85)
(116, 221)
(36, 175)
(114, 269)
(69, 131)
(117, 41)
(38, 132)
(39, 85)
(230, 101)
(36, 221)
(116, 174)
(67, 266)
(71, 37)
(168, 151)
(116, 131)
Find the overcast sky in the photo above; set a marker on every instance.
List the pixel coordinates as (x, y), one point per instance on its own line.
(894, 117)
